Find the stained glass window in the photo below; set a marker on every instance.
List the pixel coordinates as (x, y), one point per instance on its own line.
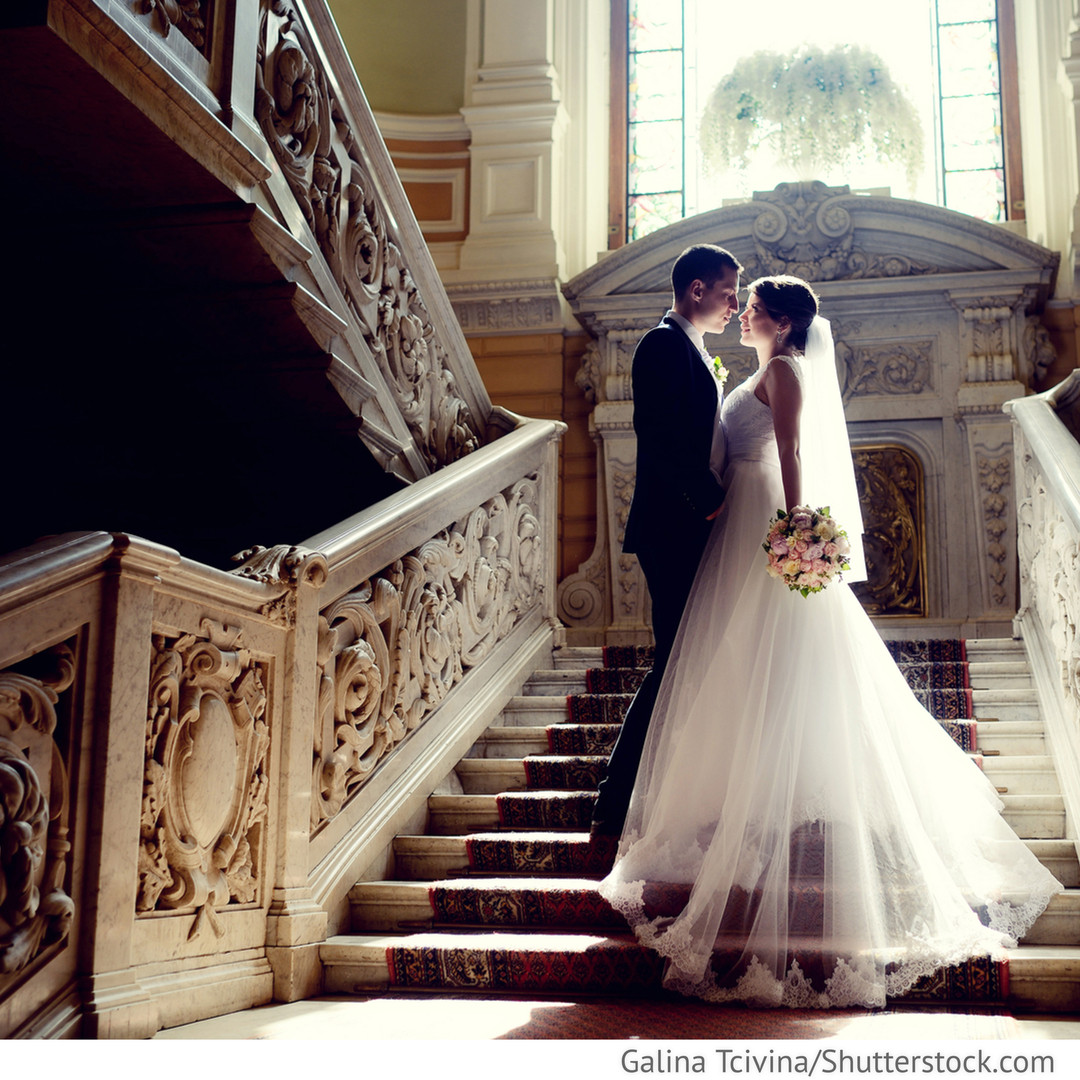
(678, 50)
(656, 116)
(969, 85)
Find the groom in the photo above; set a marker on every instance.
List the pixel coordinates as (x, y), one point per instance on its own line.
(676, 496)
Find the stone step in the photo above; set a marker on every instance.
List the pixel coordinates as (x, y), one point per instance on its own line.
(1042, 978)
(1012, 736)
(392, 906)
(992, 675)
(1035, 817)
(555, 681)
(532, 710)
(1031, 817)
(578, 657)
(987, 650)
(978, 650)
(1005, 704)
(481, 776)
(419, 858)
(999, 675)
(995, 738)
(1011, 774)
(514, 740)
(1059, 857)
(1022, 775)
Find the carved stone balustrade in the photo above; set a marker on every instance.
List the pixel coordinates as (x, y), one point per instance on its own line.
(197, 765)
(1047, 463)
(935, 317)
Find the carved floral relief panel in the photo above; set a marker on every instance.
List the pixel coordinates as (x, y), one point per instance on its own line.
(324, 165)
(206, 780)
(393, 648)
(881, 368)
(35, 908)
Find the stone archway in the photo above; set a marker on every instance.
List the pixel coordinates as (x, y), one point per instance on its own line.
(935, 319)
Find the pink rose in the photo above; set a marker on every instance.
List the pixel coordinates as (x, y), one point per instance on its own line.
(801, 546)
(820, 566)
(815, 551)
(830, 549)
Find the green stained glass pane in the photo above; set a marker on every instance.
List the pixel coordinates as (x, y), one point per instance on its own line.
(655, 162)
(655, 24)
(981, 194)
(955, 11)
(969, 60)
(655, 86)
(647, 213)
(971, 133)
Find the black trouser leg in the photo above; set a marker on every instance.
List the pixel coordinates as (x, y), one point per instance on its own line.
(669, 584)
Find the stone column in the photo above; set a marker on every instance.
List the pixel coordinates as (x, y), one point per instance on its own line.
(991, 359)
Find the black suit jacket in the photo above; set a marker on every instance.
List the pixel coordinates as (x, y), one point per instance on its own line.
(675, 398)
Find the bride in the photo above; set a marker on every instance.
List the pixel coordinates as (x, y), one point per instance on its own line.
(802, 832)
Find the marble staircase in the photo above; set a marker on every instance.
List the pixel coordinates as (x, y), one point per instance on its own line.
(1044, 971)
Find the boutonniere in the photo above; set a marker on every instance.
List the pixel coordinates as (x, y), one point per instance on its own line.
(719, 371)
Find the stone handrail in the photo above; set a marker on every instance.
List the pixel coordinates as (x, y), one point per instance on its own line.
(199, 764)
(1048, 544)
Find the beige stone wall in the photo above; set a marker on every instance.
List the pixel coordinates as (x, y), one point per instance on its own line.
(533, 374)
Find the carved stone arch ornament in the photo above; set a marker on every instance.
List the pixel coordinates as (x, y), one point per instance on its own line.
(312, 139)
(935, 317)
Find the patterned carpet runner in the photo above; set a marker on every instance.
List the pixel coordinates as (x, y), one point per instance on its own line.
(538, 872)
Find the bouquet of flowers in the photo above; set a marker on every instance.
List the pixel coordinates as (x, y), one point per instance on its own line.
(806, 549)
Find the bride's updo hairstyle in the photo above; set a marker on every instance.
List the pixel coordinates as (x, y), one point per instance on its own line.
(786, 296)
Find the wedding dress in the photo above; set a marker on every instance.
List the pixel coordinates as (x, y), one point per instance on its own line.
(802, 832)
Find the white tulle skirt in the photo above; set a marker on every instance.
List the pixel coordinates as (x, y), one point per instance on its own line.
(802, 831)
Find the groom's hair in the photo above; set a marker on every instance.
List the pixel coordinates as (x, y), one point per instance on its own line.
(705, 262)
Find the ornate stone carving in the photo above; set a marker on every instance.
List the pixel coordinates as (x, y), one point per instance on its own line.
(35, 910)
(987, 330)
(890, 480)
(206, 780)
(188, 16)
(589, 376)
(391, 650)
(995, 476)
(283, 564)
(323, 163)
(1049, 559)
(1038, 348)
(880, 369)
(804, 229)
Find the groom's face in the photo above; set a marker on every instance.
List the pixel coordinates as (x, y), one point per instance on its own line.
(716, 304)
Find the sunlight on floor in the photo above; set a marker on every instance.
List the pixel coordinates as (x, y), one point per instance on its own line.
(482, 1018)
(376, 1019)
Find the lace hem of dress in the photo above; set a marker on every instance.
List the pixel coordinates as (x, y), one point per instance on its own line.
(857, 980)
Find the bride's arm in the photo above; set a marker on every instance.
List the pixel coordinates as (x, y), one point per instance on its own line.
(784, 392)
